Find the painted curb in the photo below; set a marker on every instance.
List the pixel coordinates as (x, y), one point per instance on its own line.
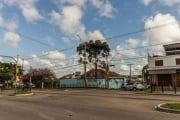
(159, 108)
(29, 94)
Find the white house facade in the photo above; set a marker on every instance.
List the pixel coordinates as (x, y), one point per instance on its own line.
(165, 70)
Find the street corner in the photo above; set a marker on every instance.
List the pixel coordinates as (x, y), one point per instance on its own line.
(165, 107)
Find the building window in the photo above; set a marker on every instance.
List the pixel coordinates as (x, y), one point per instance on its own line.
(177, 61)
(159, 63)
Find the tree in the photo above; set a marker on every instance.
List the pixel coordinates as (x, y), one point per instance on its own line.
(42, 76)
(94, 50)
(7, 71)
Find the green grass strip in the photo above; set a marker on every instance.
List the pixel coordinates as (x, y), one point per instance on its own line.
(23, 92)
(175, 106)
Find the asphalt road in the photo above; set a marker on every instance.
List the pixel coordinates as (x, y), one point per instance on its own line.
(85, 105)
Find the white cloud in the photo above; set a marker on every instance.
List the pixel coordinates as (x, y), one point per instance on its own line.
(72, 2)
(28, 9)
(169, 3)
(125, 54)
(25, 63)
(50, 41)
(12, 39)
(45, 63)
(10, 25)
(30, 13)
(69, 22)
(1, 59)
(42, 62)
(133, 42)
(124, 67)
(126, 51)
(66, 40)
(1, 6)
(96, 35)
(1, 21)
(105, 7)
(146, 2)
(56, 56)
(170, 32)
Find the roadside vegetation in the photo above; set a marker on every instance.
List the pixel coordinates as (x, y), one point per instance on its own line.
(175, 106)
(20, 91)
(148, 91)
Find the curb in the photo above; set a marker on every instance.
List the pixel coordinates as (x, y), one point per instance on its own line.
(159, 94)
(29, 94)
(159, 108)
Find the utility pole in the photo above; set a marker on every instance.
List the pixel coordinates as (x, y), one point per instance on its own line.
(22, 66)
(130, 71)
(16, 75)
(17, 68)
(107, 71)
(30, 78)
(85, 65)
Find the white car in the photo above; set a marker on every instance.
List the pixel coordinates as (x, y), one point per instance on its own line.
(134, 86)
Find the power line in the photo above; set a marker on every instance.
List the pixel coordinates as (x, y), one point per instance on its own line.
(147, 46)
(39, 56)
(30, 38)
(37, 41)
(117, 36)
(129, 58)
(113, 37)
(141, 30)
(110, 38)
(67, 67)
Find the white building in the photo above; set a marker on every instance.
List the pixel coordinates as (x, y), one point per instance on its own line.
(165, 70)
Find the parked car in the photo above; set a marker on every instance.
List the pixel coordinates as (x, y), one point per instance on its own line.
(134, 86)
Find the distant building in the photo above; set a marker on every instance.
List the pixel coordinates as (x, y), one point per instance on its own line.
(101, 74)
(109, 80)
(68, 76)
(165, 70)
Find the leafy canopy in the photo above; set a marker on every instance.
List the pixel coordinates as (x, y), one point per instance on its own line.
(93, 49)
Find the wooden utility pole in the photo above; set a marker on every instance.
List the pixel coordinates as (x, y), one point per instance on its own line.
(130, 71)
(22, 66)
(30, 78)
(85, 61)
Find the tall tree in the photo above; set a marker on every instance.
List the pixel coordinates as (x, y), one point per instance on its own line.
(95, 50)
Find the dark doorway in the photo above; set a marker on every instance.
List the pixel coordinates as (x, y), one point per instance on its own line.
(164, 80)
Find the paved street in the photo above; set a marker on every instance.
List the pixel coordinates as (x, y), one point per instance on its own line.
(85, 105)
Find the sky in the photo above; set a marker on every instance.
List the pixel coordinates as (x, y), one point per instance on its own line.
(45, 33)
